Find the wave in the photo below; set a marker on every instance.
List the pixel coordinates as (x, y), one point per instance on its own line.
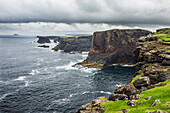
(21, 78)
(33, 72)
(122, 65)
(89, 92)
(1, 98)
(118, 85)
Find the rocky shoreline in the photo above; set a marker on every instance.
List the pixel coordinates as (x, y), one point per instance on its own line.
(148, 91)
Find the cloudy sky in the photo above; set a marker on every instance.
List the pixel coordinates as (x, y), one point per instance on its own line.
(57, 17)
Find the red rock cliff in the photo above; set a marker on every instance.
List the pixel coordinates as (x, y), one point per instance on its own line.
(113, 47)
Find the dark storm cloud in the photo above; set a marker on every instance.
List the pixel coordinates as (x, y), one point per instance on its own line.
(86, 11)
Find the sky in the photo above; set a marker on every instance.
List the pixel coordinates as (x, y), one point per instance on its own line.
(58, 17)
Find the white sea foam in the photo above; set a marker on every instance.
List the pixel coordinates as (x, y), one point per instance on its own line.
(26, 83)
(118, 85)
(123, 65)
(88, 92)
(63, 100)
(33, 72)
(1, 98)
(21, 78)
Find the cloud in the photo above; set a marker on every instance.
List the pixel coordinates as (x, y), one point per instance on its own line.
(46, 28)
(86, 11)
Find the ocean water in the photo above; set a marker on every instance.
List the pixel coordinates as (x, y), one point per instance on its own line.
(39, 80)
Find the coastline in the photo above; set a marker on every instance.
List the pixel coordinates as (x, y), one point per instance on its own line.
(148, 91)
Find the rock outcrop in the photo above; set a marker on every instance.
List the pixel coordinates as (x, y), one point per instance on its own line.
(82, 43)
(152, 55)
(43, 40)
(113, 47)
(44, 46)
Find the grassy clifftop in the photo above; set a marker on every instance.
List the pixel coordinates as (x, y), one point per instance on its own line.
(142, 105)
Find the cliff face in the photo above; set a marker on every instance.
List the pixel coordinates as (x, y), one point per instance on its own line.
(82, 43)
(148, 91)
(113, 47)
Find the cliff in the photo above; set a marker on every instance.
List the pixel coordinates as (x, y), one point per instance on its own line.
(113, 47)
(80, 43)
(149, 90)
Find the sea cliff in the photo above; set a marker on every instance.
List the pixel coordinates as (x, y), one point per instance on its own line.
(148, 91)
(77, 43)
(113, 47)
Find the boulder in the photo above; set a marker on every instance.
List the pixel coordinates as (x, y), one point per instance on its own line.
(131, 103)
(155, 103)
(115, 97)
(142, 82)
(93, 107)
(128, 89)
(157, 111)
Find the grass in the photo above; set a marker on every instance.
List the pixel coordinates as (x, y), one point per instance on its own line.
(162, 93)
(167, 30)
(145, 45)
(165, 37)
(92, 64)
(167, 51)
(166, 69)
(153, 67)
(136, 77)
(65, 36)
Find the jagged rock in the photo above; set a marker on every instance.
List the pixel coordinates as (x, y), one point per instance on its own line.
(134, 97)
(97, 102)
(42, 40)
(155, 103)
(142, 81)
(148, 98)
(44, 46)
(124, 110)
(128, 89)
(93, 107)
(166, 62)
(131, 103)
(157, 111)
(115, 97)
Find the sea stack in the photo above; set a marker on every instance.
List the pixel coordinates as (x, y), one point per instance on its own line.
(42, 39)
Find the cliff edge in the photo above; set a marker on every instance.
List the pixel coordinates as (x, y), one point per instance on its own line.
(113, 47)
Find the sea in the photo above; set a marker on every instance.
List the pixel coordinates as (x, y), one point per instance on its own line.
(40, 80)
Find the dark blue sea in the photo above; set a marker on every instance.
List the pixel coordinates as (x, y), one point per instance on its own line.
(39, 80)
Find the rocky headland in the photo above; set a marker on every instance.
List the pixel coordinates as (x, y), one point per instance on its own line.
(149, 90)
(113, 47)
(77, 43)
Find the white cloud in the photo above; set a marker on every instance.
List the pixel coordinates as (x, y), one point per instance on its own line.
(44, 28)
